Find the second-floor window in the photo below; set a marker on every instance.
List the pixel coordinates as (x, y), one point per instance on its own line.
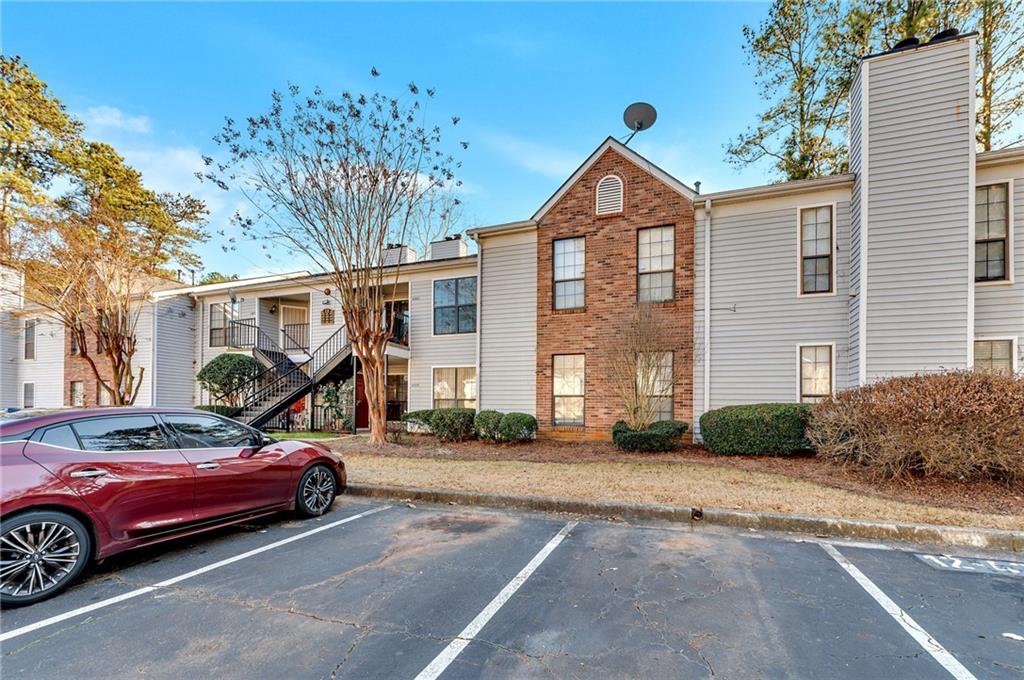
(30, 338)
(816, 250)
(455, 306)
(221, 316)
(655, 264)
(991, 229)
(569, 271)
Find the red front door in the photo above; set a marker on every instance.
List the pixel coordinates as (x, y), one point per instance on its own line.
(362, 406)
(124, 468)
(233, 472)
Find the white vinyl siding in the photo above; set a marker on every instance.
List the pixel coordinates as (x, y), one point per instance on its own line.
(921, 145)
(508, 323)
(175, 323)
(426, 349)
(756, 317)
(609, 195)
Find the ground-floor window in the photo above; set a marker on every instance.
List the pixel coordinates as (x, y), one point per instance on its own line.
(397, 393)
(654, 379)
(569, 388)
(28, 395)
(815, 372)
(455, 387)
(995, 356)
(103, 395)
(77, 393)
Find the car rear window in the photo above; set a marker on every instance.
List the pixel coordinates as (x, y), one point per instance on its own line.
(60, 436)
(121, 433)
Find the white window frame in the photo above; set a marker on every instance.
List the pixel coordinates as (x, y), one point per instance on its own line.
(583, 396)
(450, 335)
(622, 195)
(433, 368)
(554, 276)
(1009, 280)
(800, 246)
(799, 372)
(1014, 358)
(34, 322)
(23, 404)
(71, 393)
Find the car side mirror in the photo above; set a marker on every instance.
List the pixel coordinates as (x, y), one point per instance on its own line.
(265, 440)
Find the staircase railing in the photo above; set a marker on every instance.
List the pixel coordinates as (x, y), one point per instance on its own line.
(326, 352)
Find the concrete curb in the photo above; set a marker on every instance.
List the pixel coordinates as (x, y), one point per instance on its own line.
(988, 539)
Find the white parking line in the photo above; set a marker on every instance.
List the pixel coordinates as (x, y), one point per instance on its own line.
(449, 653)
(930, 644)
(178, 579)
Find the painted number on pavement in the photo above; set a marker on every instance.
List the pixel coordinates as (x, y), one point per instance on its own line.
(976, 566)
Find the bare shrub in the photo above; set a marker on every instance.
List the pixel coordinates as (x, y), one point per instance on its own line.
(954, 425)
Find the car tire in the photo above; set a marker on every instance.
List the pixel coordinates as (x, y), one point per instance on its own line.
(316, 491)
(55, 549)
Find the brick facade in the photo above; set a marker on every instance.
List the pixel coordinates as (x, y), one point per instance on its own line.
(610, 295)
(77, 369)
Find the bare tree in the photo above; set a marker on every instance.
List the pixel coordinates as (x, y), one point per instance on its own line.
(337, 179)
(641, 366)
(440, 216)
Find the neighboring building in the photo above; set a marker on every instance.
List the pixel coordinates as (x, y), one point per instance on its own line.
(785, 292)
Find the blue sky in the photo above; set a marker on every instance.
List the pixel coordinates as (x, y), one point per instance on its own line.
(537, 86)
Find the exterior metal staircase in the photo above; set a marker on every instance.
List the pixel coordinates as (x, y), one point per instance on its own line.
(283, 381)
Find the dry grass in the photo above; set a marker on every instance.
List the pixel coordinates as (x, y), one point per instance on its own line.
(680, 483)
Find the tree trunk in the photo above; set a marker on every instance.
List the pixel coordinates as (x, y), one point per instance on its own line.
(374, 382)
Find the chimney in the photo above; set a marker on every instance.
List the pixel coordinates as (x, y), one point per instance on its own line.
(448, 247)
(398, 253)
(912, 151)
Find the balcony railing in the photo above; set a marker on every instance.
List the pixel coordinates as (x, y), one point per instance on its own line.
(400, 329)
(295, 337)
(237, 334)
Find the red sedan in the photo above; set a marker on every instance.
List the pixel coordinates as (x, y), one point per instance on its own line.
(86, 484)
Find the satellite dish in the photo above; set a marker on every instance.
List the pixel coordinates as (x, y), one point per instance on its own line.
(639, 116)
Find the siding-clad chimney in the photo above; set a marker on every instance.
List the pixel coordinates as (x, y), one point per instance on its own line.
(396, 253)
(912, 149)
(449, 246)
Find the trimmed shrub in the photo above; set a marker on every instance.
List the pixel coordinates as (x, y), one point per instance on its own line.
(226, 373)
(486, 424)
(757, 429)
(420, 419)
(517, 427)
(219, 409)
(956, 425)
(453, 424)
(663, 435)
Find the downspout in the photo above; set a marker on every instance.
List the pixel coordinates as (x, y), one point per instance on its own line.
(153, 355)
(707, 305)
(479, 316)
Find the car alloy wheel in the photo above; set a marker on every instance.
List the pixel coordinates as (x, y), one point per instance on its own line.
(39, 557)
(317, 491)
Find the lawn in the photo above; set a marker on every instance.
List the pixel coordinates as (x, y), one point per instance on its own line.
(303, 435)
(692, 477)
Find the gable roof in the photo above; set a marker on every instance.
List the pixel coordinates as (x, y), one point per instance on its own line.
(628, 154)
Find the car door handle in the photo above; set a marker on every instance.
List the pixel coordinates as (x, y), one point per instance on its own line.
(91, 472)
(207, 466)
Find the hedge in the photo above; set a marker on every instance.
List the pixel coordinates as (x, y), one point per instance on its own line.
(956, 425)
(517, 427)
(452, 424)
(422, 418)
(663, 435)
(486, 424)
(757, 429)
(220, 409)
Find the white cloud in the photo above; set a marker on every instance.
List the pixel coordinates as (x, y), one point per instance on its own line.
(532, 156)
(113, 118)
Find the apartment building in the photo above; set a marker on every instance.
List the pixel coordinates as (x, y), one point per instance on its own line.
(786, 292)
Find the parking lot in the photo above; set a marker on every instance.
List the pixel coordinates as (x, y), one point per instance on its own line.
(373, 590)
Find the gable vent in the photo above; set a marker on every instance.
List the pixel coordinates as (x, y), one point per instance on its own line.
(609, 195)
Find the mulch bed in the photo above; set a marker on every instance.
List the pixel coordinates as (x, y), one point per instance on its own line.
(987, 497)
